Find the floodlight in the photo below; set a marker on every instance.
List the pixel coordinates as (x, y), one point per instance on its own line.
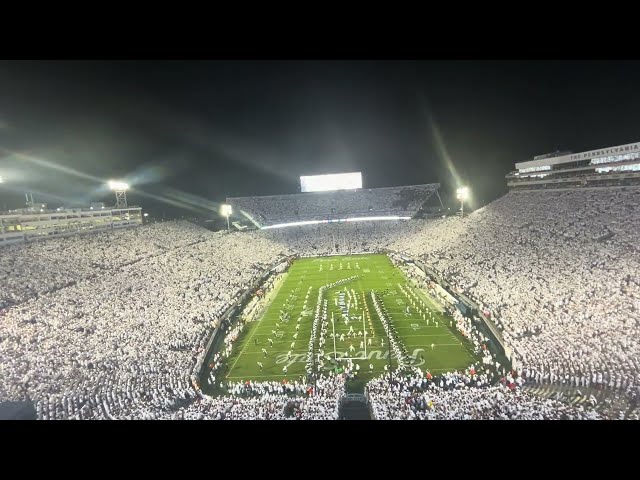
(121, 192)
(145, 214)
(462, 193)
(226, 210)
(1, 179)
(115, 185)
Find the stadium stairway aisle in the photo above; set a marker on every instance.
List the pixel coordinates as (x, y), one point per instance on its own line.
(355, 407)
(356, 413)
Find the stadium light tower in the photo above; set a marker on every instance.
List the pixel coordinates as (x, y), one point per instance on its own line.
(121, 192)
(226, 211)
(462, 194)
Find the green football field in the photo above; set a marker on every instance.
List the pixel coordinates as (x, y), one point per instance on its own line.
(284, 331)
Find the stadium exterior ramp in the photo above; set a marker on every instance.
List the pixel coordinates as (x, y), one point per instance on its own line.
(391, 203)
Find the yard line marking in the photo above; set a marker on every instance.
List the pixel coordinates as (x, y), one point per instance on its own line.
(421, 326)
(278, 352)
(269, 334)
(243, 349)
(301, 273)
(434, 335)
(248, 342)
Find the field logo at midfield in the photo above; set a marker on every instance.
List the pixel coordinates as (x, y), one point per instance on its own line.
(307, 312)
(331, 363)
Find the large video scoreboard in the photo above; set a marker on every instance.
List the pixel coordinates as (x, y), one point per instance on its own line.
(325, 183)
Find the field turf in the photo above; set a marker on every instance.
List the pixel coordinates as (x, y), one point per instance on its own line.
(431, 341)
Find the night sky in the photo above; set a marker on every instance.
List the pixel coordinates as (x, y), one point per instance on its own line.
(188, 134)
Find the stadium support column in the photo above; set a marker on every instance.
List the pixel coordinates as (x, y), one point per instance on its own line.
(121, 199)
(441, 204)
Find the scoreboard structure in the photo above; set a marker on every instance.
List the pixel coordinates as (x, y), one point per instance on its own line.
(327, 183)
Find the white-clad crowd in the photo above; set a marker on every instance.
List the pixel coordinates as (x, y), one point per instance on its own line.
(32, 269)
(97, 347)
(455, 396)
(110, 325)
(558, 272)
(256, 401)
(390, 201)
(340, 238)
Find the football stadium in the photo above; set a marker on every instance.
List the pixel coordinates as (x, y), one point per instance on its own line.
(336, 302)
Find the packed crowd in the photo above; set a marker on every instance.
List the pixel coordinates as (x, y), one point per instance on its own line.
(339, 238)
(132, 334)
(36, 268)
(110, 325)
(468, 396)
(558, 272)
(394, 201)
(256, 401)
